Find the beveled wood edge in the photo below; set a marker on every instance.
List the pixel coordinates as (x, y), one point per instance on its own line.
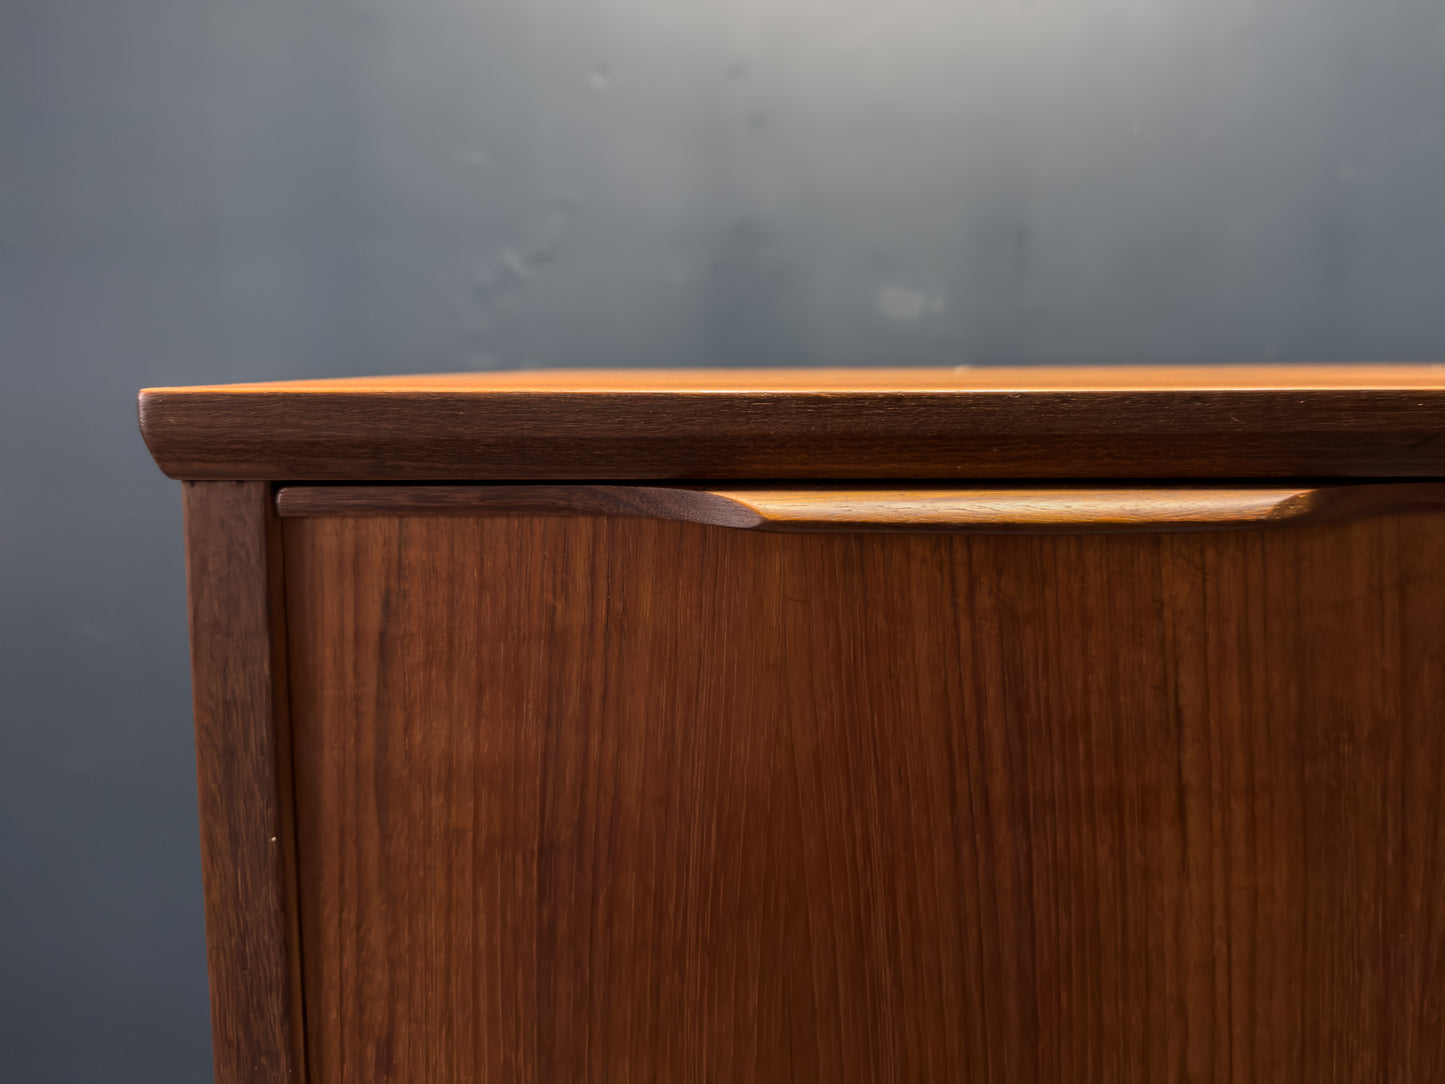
(983, 510)
(1115, 422)
(236, 600)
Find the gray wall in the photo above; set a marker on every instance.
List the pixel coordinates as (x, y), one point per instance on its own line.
(211, 190)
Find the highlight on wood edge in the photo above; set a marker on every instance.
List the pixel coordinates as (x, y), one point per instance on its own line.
(1004, 509)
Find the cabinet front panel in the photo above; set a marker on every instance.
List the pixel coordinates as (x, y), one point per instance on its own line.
(583, 798)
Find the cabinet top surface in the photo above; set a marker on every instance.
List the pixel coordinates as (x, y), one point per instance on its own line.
(960, 380)
(1235, 421)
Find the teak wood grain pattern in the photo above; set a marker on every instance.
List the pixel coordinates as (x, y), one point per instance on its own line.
(1146, 422)
(238, 679)
(1008, 509)
(590, 798)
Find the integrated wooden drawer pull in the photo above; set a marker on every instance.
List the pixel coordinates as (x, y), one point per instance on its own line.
(1011, 509)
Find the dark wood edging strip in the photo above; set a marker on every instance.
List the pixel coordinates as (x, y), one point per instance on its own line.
(1236, 422)
(936, 508)
(243, 764)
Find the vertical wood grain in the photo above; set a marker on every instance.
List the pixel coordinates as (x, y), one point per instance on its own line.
(590, 799)
(238, 675)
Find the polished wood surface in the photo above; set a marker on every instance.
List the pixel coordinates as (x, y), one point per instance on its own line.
(997, 509)
(238, 678)
(792, 382)
(1160, 422)
(590, 798)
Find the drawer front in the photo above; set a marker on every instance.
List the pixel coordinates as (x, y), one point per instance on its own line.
(588, 797)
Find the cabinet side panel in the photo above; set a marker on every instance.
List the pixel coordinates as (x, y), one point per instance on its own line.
(599, 799)
(238, 675)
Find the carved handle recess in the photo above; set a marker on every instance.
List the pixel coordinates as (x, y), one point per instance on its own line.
(1010, 509)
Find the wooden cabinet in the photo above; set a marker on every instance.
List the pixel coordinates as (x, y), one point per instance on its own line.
(785, 727)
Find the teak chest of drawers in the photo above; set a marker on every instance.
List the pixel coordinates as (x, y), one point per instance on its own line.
(981, 725)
